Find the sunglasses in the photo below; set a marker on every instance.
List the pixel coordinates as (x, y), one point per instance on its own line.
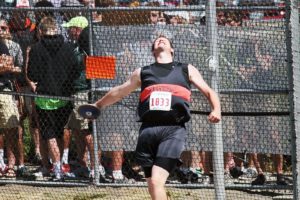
(162, 20)
(3, 28)
(154, 15)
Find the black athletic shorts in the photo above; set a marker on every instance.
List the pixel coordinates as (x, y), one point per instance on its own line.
(52, 122)
(159, 141)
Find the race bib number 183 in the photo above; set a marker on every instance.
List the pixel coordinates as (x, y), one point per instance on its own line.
(160, 101)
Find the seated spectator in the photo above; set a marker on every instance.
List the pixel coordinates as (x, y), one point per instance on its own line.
(72, 3)
(170, 3)
(157, 17)
(177, 17)
(221, 18)
(68, 15)
(98, 17)
(134, 3)
(192, 167)
(197, 17)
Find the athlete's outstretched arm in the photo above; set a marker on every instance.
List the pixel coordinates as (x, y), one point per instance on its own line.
(120, 91)
(209, 93)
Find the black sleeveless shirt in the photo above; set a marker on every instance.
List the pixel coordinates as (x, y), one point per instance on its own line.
(165, 93)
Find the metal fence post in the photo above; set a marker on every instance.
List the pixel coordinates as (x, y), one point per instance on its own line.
(218, 159)
(93, 86)
(293, 58)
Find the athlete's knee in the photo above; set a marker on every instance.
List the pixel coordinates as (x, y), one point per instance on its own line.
(155, 182)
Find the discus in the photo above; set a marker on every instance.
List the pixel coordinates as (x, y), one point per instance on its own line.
(88, 111)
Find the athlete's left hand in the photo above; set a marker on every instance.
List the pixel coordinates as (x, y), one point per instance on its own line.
(214, 116)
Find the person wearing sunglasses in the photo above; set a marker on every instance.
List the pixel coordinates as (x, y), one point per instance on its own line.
(16, 54)
(54, 57)
(9, 115)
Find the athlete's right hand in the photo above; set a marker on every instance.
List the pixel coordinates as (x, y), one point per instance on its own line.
(214, 116)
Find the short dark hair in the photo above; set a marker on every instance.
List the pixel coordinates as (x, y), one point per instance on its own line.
(39, 15)
(48, 26)
(43, 3)
(162, 36)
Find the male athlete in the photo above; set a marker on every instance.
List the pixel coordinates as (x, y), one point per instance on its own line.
(163, 110)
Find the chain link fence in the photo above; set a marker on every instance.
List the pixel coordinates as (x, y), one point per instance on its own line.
(55, 58)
